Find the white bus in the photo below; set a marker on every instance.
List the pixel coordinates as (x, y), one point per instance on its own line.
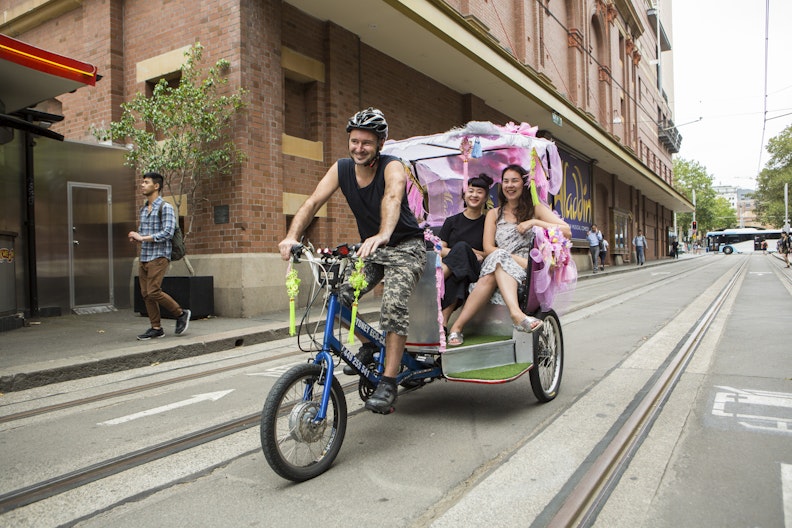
(743, 240)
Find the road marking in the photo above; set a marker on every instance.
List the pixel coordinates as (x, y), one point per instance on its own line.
(760, 273)
(277, 372)
(735, 403)
(786, 493)
(209, 396)
(660, 273)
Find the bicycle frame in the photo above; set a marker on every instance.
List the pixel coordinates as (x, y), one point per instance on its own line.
(413, 368)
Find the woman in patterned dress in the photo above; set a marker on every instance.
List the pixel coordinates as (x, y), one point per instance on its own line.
(508, 239)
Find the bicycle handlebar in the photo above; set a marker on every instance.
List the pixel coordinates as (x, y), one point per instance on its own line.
(343, 251)
(327, 264)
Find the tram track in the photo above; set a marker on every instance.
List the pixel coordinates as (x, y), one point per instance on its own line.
(618, 296)
(80, 477)
(141, 388)
(580, 506)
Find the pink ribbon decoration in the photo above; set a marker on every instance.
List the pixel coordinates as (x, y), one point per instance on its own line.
(440, 280)
(523, 128)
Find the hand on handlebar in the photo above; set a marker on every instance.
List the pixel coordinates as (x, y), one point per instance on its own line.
(285, 247)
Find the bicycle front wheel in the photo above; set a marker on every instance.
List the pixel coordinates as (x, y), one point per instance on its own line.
(296, 446)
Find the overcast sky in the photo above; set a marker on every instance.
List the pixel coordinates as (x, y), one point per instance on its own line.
(719, 75)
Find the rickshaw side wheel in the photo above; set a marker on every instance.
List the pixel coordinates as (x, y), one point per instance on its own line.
(548, 358)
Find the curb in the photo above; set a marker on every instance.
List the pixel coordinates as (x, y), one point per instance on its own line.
(119, 362)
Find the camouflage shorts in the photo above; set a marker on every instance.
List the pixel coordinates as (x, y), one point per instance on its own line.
(401, 266)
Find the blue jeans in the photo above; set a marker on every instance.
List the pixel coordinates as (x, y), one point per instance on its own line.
(639, 252)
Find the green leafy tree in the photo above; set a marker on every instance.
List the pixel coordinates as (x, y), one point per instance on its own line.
(712, 212)
(723, 214)
(769, 194)
(182, 132)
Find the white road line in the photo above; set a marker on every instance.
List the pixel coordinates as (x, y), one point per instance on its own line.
(786, 493)
(209, 396)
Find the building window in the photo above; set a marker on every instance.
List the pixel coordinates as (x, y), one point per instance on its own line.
(620, 221)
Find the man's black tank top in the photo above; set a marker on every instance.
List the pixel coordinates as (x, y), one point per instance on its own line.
(366, 202)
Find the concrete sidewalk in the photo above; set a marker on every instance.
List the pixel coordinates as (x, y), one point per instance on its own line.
(55, 349)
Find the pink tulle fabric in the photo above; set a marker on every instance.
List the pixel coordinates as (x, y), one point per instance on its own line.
(557, 274)
(415, 199)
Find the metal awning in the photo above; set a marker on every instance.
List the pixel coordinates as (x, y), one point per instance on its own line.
(31, 75)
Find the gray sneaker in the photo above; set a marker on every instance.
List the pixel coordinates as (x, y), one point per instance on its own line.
(183, 321)
(151, 333)
(381, 402)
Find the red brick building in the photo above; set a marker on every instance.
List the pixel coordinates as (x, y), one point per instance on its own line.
(594, 75)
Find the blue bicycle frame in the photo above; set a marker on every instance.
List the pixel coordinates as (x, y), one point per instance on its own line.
(414, 369)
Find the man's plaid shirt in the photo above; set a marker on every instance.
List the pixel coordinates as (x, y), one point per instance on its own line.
(162, 231)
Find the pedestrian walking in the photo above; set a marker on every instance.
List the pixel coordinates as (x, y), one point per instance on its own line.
(157, 225)
(639, 242)
(603, 254)
(594, 238)
(784, 247)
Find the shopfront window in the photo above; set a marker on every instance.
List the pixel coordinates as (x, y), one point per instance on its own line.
(620, 221)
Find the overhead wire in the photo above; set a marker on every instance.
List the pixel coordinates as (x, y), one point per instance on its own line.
(766, 60)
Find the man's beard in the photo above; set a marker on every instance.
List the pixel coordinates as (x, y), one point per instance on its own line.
(369, 163)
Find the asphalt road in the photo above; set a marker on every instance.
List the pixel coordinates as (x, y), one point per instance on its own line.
(456, 454)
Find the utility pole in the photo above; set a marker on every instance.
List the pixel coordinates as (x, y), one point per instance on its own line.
(786, 208)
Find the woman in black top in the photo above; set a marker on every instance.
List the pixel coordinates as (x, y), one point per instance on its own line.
(463, 252)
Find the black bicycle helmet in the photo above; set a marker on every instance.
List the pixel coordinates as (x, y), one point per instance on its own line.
(369, 119)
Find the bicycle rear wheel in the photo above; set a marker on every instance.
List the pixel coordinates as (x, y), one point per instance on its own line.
(296, 447)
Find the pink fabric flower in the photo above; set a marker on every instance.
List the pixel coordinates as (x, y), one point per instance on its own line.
(557, 272)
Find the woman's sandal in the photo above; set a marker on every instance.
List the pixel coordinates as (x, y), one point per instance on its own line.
(529, 324)
(455, 339)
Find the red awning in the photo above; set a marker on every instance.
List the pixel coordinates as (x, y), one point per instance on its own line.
(31, 75)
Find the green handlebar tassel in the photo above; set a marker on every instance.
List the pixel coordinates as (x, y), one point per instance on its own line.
(292, 289)
(358, 281)
(534, 195)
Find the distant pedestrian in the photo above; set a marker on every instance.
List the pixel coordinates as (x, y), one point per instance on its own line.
(154, 236)
(594, 239)
(785, 247)
(639, 242)
(764, 247)
(675, 249)
(603, 254)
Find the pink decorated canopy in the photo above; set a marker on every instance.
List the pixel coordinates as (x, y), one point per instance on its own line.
(440, 166)
(442, 163)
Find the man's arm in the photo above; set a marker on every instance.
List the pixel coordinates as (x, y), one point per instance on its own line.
(168, 216)
(395, 185)
(324, 190)
(168, 223)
